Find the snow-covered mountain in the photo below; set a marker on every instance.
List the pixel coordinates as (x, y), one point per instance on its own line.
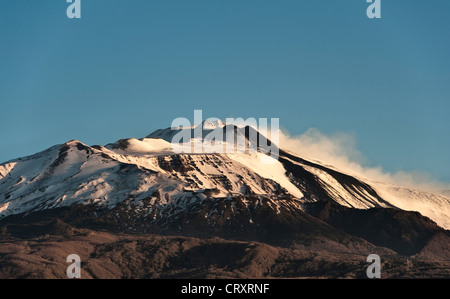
(161, 185)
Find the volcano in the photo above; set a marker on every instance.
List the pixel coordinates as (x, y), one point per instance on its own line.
(284, 210)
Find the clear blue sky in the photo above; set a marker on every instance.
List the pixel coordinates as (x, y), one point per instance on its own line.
(130, 67)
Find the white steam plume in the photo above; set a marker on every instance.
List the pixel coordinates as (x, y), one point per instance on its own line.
(340, 151)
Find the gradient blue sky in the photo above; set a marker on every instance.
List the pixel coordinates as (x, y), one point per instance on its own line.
(130, 67)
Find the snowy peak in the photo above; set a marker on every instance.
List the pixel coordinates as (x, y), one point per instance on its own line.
(209, 124)
(74, 173)
(217, 137)
(204, 129)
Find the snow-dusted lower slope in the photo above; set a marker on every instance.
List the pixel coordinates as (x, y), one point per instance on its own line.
(350, 191)
(434, 206)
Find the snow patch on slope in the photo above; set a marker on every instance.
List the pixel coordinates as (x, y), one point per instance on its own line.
(343, 196)
(273, 170)
(433, 206)
(6, 169)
